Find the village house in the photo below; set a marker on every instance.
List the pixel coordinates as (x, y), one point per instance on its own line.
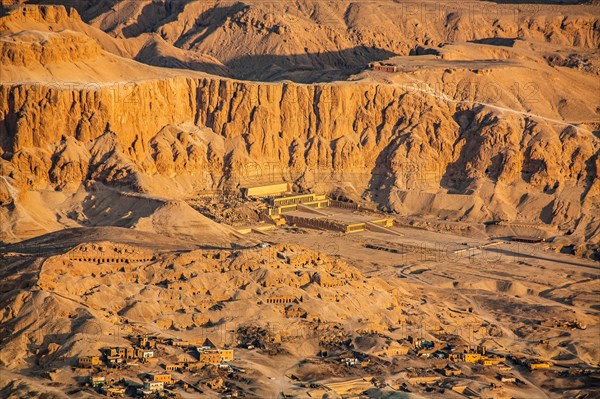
(97, 381)
(154, 385)
(122, 352)
(472, 357)
(491, 360)
(455, 357)
(451, 371)
(393, 349)
(114, 392)
(179, 343)
(144, 354)
(146, 342)
(114, 361)
(226, 354)
(350, 361)
(353, 358)
(150, 388)
(504, 367)
(210, 357)
(508, 378)
(423, 379)
(422, 343)
(539, 365)
(208, 353)
(88, 361)
(173, 367)
(206, 345)
(165, 378)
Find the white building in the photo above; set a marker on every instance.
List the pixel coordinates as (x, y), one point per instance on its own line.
(154, 386)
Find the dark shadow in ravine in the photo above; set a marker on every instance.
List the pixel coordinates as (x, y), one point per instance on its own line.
(209, 21)
(308, 67)
(454, 178)
(496, 41)
(153, 15)
(300, 68)
(151, 55)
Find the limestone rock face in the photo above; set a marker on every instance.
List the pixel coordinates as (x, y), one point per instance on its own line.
(32, 47)
(337, 128)
(70, 163)
(178, 134)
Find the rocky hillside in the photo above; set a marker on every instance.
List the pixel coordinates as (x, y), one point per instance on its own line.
(287, 40)
(523, 155)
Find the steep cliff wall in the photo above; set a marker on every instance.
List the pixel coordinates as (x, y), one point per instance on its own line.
(377, 133)
(178, 133)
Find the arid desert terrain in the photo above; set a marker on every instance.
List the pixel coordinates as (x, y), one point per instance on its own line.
(299, 199)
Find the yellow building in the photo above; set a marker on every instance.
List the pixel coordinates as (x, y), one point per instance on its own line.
(226, 354)
(88, 361)
(162, 377)
(394, 349)
(541, 365)
(154, 386)
(472, 357)
(493, 360)
(210, 357)
(97, 380)
(270, 190)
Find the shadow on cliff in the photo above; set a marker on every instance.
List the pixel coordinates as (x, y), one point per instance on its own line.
(455, 178)
(382, 183)
(300, 68)
(153, 14)
(309, 67)
(151, 55)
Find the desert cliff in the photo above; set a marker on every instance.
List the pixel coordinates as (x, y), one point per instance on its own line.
(378, 140)
(354, 197)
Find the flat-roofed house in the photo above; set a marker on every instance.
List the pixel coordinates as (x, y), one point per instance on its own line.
(88, 361)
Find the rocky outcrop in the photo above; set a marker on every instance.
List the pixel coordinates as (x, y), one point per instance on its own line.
(26, 49)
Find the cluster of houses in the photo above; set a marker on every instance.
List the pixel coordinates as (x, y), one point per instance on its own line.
(423, 348)
(478, 355)
(144, 350)
(122, 355)
(532, 364)
(152, 384)
(155, 382)
(208, 353)
(564, 324)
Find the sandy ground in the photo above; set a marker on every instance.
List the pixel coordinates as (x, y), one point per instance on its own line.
(480, 290)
